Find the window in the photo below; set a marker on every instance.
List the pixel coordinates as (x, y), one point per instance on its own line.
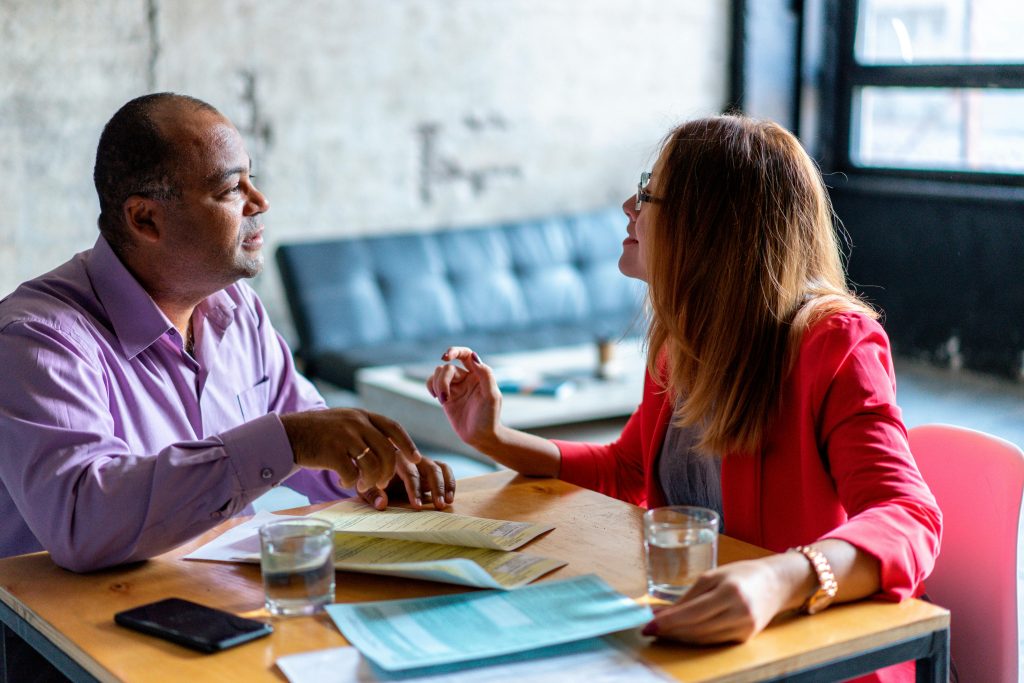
(932, 87)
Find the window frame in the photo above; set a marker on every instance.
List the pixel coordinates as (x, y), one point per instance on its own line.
(849, 74)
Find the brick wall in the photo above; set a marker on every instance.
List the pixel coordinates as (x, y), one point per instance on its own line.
(361, 115)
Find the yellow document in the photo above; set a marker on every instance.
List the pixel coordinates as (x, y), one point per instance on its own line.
(480, 567)
(435, 546)
(356, 550)
(429, 526)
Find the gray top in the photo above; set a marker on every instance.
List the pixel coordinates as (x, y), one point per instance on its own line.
(687, 476)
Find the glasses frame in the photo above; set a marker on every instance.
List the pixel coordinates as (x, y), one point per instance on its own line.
(642, 195)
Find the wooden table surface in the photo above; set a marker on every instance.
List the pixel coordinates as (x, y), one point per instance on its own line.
(593, 533)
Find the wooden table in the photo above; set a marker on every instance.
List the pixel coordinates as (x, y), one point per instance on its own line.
(69, 617)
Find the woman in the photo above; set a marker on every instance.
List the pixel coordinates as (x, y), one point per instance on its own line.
(770, 391)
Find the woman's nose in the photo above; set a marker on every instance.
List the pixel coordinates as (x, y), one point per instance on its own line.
(629, 207)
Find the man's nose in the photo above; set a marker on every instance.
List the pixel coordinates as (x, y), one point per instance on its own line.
(258, 202)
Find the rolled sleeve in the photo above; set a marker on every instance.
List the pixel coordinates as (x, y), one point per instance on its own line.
(893, 515)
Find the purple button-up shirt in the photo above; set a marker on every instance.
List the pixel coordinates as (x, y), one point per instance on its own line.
(115, 444)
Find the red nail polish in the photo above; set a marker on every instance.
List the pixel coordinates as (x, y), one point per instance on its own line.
(444, 397)
(651, 629)
(476, 357)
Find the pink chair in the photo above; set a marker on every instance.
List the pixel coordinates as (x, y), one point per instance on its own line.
(978, 480)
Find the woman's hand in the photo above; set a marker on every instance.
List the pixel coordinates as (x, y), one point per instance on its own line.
(732, 603)
(472, 402)
(736, 601)
(469, 396)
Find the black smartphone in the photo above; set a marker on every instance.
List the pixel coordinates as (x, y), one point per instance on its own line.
(193, 625)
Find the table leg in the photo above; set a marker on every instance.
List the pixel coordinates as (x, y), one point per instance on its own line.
(934, 668)
(30, 657)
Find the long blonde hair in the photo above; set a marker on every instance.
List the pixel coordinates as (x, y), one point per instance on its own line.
(742, 257)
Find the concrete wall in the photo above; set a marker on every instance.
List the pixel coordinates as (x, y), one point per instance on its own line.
(361, 115)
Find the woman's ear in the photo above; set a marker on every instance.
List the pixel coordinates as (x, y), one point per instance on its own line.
(142, 216)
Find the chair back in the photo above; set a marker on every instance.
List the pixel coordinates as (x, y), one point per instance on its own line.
(978, 480)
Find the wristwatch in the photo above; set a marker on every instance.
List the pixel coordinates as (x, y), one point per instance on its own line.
(827, 584)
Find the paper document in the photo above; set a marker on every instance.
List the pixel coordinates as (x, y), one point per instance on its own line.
(589, 661)
(404, 634)
(237, 544)
(431, 526)
(479, 567)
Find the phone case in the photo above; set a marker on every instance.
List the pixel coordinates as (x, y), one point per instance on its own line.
(193, 625)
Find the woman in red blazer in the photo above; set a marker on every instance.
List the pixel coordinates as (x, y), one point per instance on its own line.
(765, 373)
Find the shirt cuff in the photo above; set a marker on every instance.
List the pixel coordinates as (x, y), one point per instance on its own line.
(259, 452)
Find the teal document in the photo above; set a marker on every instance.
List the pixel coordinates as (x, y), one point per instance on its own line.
(406, 634)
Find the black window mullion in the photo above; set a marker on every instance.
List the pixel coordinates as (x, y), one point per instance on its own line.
(844, 20)
(938, 76)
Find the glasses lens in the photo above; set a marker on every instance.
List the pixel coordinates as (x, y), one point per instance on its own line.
(641, 189)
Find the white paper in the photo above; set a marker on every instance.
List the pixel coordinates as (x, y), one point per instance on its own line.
(599, 662)
(238, 544)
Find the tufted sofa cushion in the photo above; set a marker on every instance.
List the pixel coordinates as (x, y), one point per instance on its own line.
(378, 300)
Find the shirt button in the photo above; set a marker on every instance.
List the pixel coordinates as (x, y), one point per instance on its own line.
(267, 473)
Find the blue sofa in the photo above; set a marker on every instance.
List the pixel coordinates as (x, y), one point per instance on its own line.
(380, 300)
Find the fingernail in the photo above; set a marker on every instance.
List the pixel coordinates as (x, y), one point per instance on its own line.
(476, 357)
(449, 497)
(378, 501)
(651, 629)
(443, 398)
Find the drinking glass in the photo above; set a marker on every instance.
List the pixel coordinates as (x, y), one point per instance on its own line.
(680, 543)
(297, 563)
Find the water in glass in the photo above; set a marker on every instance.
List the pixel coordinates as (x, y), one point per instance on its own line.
(676, 556)
(298, 573)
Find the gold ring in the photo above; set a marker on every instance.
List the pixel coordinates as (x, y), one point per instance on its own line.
(363, 454)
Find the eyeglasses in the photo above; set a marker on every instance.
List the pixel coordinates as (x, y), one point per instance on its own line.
(642, 195)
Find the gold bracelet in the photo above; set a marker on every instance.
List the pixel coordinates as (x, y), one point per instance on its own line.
(827, 588)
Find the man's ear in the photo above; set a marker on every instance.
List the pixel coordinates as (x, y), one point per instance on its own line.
(143, 215)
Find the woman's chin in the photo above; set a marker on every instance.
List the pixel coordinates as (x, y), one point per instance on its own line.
(630, 267)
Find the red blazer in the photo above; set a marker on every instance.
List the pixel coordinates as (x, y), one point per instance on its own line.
(836, 462)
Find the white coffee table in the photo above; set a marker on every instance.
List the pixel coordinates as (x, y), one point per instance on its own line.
(594, 410)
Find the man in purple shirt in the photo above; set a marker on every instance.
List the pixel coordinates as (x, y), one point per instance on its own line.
(146, 396)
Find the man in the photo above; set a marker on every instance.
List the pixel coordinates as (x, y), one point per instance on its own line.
(147, 396)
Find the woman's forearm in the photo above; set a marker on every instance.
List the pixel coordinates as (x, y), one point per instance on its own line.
(857, 573)
(525, 453)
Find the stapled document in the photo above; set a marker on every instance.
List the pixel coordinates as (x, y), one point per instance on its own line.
(404, 634)
(427, 545)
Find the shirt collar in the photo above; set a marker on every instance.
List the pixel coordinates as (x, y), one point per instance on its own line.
(137, 321)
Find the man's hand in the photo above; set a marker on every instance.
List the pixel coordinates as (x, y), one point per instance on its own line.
(414, 482)
(365, 449)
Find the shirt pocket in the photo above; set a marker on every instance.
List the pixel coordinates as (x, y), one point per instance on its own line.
(255, 401)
